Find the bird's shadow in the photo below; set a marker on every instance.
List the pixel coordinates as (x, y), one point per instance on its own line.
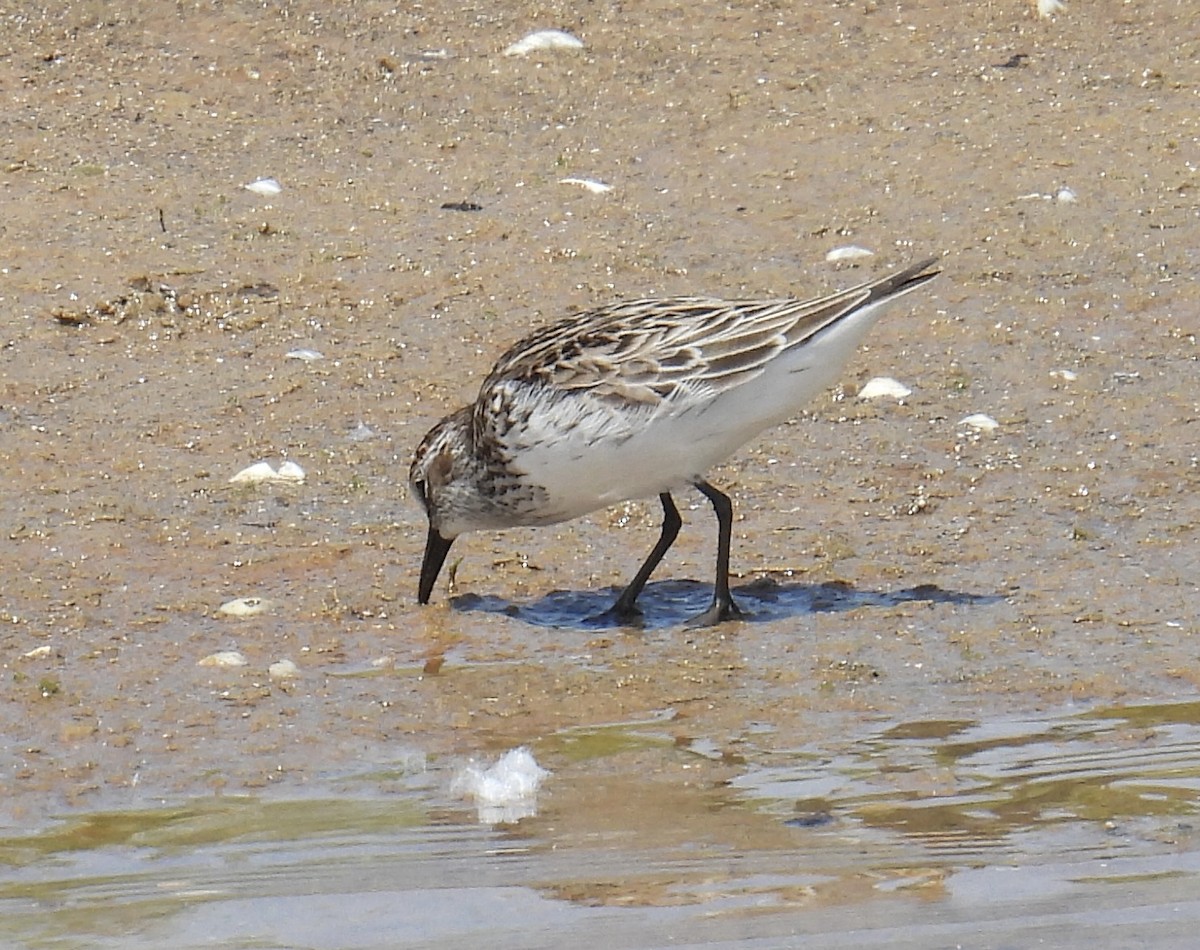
(671, 603)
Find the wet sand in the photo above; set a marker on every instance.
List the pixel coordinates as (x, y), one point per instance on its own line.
(899, 564)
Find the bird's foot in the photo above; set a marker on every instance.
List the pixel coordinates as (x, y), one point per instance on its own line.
(619, 615)
(720, 611)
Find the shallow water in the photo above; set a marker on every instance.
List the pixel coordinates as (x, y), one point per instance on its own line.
(1075, 829)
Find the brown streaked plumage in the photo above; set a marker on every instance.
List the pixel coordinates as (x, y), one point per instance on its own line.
(631, 400)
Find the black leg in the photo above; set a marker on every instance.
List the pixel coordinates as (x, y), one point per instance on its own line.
(625, 608)
(723, 607)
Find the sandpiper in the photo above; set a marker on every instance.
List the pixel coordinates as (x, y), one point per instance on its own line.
(631, 400)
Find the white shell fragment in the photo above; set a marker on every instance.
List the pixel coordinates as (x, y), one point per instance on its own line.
(1050, 7)
(850, 252)
(282, 670)
(305, 354)
(1067, 375)
(544, 40)
(246, 607)
(588, 184)
(289, 471)
(883, 386)
(1063, 195)
(506, 791)
(267, 187)
(263, 472)
(981, 421)
(225, 659)
(258, 472)
(37, 653)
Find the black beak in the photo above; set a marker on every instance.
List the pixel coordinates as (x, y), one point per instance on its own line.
(436, 549)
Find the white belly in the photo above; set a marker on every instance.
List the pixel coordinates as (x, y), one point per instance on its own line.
(592, 455)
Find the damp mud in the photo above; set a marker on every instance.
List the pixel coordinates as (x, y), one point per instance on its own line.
(965, 699)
